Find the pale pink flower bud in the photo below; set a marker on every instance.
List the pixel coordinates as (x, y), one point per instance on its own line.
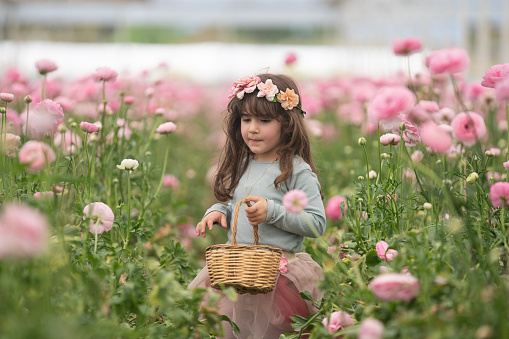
(390, 139)
(333, 209)
(45, 66)
(370, 328)
(101, 217)
(295, 201)
(167, 127)
(417, 156)
(88, 127)
(406, 47)
(338, 321)
(128, 99)
(36, 154)
(395, 286)
(6, 97)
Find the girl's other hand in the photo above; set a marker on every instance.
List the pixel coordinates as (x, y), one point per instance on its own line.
(257, 213)
(209, 220)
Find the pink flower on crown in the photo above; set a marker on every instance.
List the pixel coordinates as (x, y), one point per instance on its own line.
(494, 74)
(246, 84)
(267, 90)
(406, 46)
(288, 99)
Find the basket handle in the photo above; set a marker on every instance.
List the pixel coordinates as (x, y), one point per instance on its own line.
(234, 222)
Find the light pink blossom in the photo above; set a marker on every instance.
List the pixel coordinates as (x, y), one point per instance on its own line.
(166, 128)
(283, 264)
(171, 181)
(417, 156)
(395, 286)
(370, 328)
(389, 102)
(407, 46)
(495, 74)
(246, 84)
(128, 99)
(390, 139)
(24, 231)
(502, 90)
(468, 127)
(44, 118)
(295, 201)
(12, 142)
(411, 135)
(88, 127)
(499, 194)
(448, 60)
(267, 90)
(6, 97)
(333, 209)
(338, 321)
(101, 217)
(383, 251)
(36, 154)
(506, 164)
(105, 74)
(43, 195)
(67, 141)
(435, 137)
(45, 66)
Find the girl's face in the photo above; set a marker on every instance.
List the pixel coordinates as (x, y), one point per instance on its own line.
(262, 135)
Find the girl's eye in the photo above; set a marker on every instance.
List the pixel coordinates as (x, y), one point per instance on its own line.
(245, 119)
(266, 120)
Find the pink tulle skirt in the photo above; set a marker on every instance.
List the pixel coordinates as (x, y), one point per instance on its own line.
(268, 315)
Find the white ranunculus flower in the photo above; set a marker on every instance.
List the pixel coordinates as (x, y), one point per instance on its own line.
(128, 164)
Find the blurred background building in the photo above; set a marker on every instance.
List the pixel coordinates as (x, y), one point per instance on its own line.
(359, 32)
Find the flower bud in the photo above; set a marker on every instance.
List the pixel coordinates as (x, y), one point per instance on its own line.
(93, 138)
(362, 141)
(148, 153)
(489, 153)
(115, 181)
(427, 206)
(472, 177)
(2, 110)
(360, 200)
(385, 156)
(446, 182)
(372, 174)
(402, 126)
(28, 99)
(438, 162)
(360, 178)
(73, 124)
(62, 128)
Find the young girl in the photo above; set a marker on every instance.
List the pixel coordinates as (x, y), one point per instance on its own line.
(267, 153)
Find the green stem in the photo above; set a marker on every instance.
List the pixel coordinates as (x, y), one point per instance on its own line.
(126, 239)
(26, 123)
(368, 190)
(95, 243)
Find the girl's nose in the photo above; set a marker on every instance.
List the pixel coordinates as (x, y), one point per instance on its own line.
(253, 127)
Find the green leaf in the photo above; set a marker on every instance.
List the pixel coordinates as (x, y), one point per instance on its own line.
(372, 258)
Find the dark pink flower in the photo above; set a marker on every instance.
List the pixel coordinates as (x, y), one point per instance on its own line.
(494, 74)
(389, 102)
(282, 264)
(290, 59)
(101, 217)
(448, 60)
(24, 231)
(45, 66)
(166, 128)
(502, 90)
(36, 154)
(333, 209)
(406, 46)
(105, 74)
(435, 137)
(88, 127)
(468, 127)
(390, 139)
(246, 84)
(338, 321)
(371, 328)
(395, 286)
(295, 201)
(499, 194)
(383, 251)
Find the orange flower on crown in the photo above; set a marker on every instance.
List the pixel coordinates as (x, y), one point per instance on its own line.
(288, 99)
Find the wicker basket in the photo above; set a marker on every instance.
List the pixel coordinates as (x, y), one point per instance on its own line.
(248, 268)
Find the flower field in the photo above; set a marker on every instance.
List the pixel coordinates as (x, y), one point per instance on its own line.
(103, 179)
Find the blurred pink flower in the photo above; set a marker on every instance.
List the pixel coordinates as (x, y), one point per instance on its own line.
(12, 142)
(435, 137)
(43, 195)
(36, 154)
(128, 99)
(389, 102)
(506, 164)
(333, 209)
(45, 66)
(448, 60)
(331, 249)
(499, 194)
(65, 102)
(6, 97)
(88, 127)
(468, 127)
(282, 264)
(105, 74)
(246, 84)
(267, 90)
(101, 217)
(475, 91)
(370, 328)
(444, 115)
(67, 141)
(295, 201)
(166, 128)
(502, 90)
(24, 231)
(407, 46)
(338, 321)
(290, 59)
(169, 180)
(411, 135)
(44, 118)
(417, 156)
(383, 251)
(390, 139)
(395, 286)
(494, 74)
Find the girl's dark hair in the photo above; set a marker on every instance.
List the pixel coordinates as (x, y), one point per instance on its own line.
(294, 136)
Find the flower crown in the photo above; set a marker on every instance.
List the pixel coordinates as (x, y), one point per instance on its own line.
(247, 84)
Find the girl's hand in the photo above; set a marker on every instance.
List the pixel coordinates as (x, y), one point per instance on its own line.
(209, 221)
(257, 213)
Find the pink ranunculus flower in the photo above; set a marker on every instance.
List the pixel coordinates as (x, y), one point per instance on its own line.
(411, 135)
(406, 47)
(101, 217)
(290, 59)
(6, 97)
(45, 66)
(105, 74)
(338, 321)
(267, 90)
(295, 201)
(166, 128)
(436, 138)
(468, 127)
(499, 194)
(333, 209)
(389, 102)
(12, 142)
(246, 84)
(169, 180)
(370, 328)
(395, 286)
(44, 118)
(283, 265)
(383, 251)
(128, 99)
(495, 74)
(43, 195)
(417, 156)
(390, 139)
(448, 60)
(506, 164)
(24, 231)
(36, 154)
(502, 90)
(88, 127)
